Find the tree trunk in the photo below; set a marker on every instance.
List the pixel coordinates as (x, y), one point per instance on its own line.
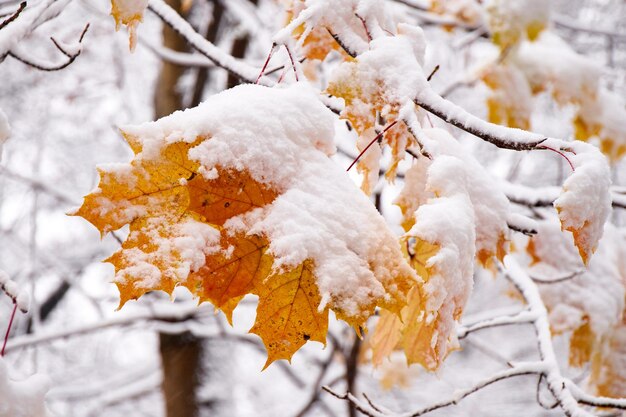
(167, 99)
(180, 353)
(180, 358)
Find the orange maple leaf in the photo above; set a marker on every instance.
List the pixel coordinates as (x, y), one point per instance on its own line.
(198, 226)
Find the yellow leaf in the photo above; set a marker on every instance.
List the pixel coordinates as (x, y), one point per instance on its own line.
(193, 226)
(361, 110)
(386, 336)
(227, 277)
(288, 315)
(582, 344)
(230, 194)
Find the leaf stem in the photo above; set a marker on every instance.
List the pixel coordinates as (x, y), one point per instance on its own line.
(267, 61)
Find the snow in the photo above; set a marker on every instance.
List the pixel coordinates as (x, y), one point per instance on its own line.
(181, 248)
(27, 22)
(448, 222)
(5, 130)
(585, 203)
(198, 42)
(22, 398)
(283, 137)
(509, 20)
(335, 14)
(551, 61)
(490, 205)
(13, 290)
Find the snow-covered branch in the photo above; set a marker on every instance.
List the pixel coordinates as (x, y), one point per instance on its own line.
(523, 317)
(220, 58)
(19, 296)
(177, 313)
(556, 383)
(22, 24)
(545, 196)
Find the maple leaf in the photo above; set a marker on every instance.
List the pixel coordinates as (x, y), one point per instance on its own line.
(454, 216)
(607, 371)
(441, 246)
(585, 203)
(288, 314)
(459, 10)
(512, 21)
(226, 210)
(510, 101)
(369, 91)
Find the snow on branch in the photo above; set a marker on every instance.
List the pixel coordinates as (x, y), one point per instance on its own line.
(19, 296)
(184, 59)
(176, 314)
(525, 316)
(556, 383)
(545, 196)
(22, 24)
(222, 59)
(502, 137)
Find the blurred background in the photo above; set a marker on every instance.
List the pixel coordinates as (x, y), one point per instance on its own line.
(158, 357)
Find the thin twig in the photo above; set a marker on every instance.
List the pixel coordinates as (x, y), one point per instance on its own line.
(556, 280)
(432, 73)
(267, 61)
(6, 336)
(50, 68)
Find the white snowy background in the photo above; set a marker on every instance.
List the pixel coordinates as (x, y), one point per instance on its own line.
(102, 362)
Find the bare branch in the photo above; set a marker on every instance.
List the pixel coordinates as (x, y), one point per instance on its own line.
(563, 22)
(316, 392)
(13, 16)
(555, 280)
(45, 66)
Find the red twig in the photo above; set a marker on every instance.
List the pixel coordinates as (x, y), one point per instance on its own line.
(380, 135)
(282, 75)
(367, 31)
(293, 63)
(560, 153)
(6, 336)
(267, 61)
